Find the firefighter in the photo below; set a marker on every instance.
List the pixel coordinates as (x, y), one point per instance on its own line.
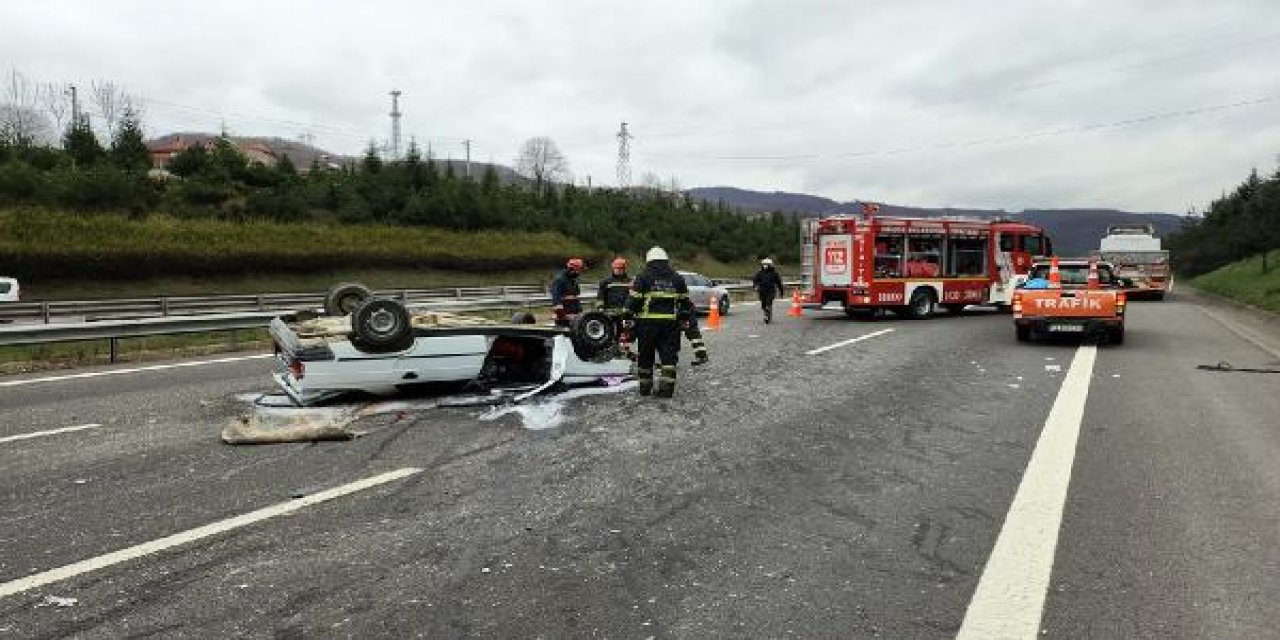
(614, 290)
(766, 282)
(659, 298)
(566, 294)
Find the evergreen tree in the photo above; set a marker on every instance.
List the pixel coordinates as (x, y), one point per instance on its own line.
(128, 151)
(371, 163)
(82, 145)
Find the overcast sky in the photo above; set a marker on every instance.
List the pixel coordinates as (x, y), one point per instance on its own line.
(1145, 106)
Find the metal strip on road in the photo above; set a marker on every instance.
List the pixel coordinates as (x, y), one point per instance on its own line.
(845, 343)
(1009, 600)
(50, 432)
(192, 535)
(114, 372)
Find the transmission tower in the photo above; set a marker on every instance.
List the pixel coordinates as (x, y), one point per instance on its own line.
(624, 157)
(395, 124)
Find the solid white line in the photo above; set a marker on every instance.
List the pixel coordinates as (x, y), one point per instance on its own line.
(1009, 600)
(846, 343)
(1241, 332)
(50, 432)
(116, 372)
(192, 535)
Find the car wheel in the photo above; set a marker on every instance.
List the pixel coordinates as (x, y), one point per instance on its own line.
(343, 299)
(1116, 335)
(921, 305)
(724, 305)
(382, 326)
(593, 334)
(1023, 332)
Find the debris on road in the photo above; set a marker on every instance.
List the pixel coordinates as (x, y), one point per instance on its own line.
(1226, 366)
(57, 601)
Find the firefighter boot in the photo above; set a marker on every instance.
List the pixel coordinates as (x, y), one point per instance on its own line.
(666, 382)
(699, 352)
(646, 381)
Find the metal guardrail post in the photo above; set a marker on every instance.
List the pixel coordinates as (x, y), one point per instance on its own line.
(404, 296)
(44, 311)
(260, 305)
(115, 350)
(164, 306)
(457, 293)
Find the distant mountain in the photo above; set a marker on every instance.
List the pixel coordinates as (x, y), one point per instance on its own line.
(1074, 231)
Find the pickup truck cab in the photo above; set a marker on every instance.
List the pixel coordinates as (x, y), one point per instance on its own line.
(1071, 296)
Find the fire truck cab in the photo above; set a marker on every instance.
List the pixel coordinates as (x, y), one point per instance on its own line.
(914, 265)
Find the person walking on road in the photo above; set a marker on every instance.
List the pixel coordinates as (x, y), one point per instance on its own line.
(566, 293)
(659, 298)
(767, 282)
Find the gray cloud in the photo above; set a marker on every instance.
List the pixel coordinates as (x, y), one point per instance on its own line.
(929, 103)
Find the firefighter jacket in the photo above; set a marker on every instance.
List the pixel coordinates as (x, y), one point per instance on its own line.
(614, 291)
(659, 294)
(566, 294)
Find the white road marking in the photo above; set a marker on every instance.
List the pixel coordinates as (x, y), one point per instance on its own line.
(155, 546)
(50, 432)
(845, 343)
(1242, 332)
(116, 372)
(1009, 600)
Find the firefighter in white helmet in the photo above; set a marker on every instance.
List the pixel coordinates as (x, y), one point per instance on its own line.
(659, 299)
(766, 283)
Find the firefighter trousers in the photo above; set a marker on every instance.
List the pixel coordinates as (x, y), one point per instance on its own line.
(657, 341)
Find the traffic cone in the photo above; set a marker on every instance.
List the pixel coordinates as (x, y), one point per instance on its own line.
(1055, 278)
(713, 314)
(796, 310)
(1091, 282)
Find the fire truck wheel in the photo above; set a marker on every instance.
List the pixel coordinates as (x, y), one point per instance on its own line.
(921, 305)
(955, 309)
(1023, 331)
(382, 326)
(343, 298)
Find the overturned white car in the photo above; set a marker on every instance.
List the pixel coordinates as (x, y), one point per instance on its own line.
(379, 346)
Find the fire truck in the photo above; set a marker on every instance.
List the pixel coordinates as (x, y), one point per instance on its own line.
(913, 266)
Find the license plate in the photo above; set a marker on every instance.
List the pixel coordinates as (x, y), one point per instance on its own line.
(1066, 328)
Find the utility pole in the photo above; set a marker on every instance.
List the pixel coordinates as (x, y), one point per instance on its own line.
(588, 182)
(75, 106)
(624, 157)
(395, 124)
(467, 145)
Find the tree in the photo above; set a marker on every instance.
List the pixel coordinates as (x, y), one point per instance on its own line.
(371, 163)
(82, 145)
(541, 161)
(21, 123)
(109, 100)
(190, 161)
(128, 151)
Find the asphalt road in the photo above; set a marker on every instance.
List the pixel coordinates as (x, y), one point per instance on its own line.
(855, 492)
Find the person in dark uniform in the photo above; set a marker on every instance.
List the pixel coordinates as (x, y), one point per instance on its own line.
(766, 283)
(659, 297)
(614, 290)
(566, 294)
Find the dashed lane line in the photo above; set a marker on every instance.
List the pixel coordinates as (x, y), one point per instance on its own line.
(845, 343)
(50, 432)
(155, 546)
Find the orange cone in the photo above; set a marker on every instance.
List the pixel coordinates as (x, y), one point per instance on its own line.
(796, 310)
(1055, 277)
(1092, 281)
(713, 314)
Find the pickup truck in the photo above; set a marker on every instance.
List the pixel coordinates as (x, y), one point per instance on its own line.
(1086, 299)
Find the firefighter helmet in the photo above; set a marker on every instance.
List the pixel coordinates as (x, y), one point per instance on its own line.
(656, 253)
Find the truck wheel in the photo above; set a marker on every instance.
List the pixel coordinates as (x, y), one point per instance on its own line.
(382, 326)
(1023, 332)
(343, 299)
(954, 309)
(593, 334)
(921, 305)
(523, 317)
(1116, 335)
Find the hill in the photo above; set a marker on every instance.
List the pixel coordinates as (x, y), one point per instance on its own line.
(1074, 231)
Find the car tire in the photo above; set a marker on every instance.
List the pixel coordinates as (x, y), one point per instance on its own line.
(1023, 332)
(344, 298)
(523, 317)
(1116, 335)
(382, 326)
(593, 334)
(921, 304)
(724, 305)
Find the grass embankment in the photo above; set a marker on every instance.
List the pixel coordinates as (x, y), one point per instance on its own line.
(1245, 282)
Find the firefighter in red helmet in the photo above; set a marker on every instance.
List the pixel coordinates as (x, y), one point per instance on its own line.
(566, 293)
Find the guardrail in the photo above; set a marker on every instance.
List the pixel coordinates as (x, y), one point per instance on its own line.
(47, 312)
